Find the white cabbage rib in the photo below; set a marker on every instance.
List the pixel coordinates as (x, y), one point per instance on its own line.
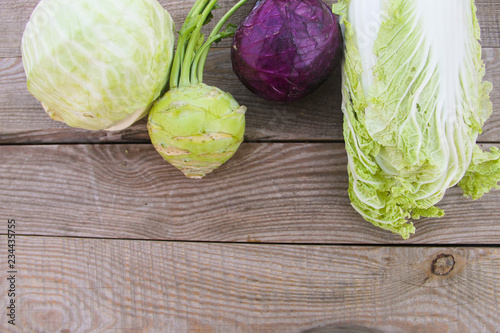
(414, 104)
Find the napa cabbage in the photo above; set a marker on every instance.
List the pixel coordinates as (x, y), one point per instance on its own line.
(414, 103)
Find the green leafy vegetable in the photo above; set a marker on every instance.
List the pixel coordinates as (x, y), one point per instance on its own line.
(196, 127)
(414, 103)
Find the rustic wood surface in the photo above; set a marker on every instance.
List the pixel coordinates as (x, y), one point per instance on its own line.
(315, 118)
(95, 285)
(278, 193)
(110, 238)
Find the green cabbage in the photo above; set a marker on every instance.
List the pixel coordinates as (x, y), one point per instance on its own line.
(414, 103)
(98, 64)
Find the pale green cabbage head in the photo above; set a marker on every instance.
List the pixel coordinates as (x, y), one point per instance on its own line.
(414, 103)
(98, 64)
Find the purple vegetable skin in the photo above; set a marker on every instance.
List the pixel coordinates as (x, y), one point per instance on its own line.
(285, 49)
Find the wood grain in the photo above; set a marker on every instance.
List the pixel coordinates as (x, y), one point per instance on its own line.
(14, 14)
(315, 118)
(278, 193)
(84, 285)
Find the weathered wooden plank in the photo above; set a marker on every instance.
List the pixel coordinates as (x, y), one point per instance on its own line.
(279, 193)
(316, 117)
(14, 14)
(83, 285)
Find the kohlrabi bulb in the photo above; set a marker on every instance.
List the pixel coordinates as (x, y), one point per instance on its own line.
(196, 128)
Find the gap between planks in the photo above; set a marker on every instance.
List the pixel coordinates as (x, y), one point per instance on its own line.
(259, 243)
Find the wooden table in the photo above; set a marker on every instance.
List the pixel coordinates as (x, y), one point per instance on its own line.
(110, 238)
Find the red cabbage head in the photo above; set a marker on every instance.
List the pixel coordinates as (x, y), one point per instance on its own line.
(285, 49)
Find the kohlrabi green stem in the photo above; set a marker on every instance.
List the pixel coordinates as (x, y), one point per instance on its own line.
(202, 59)
(176, 65)
(194, 67)
(197, 8)
(187, 28)
(193, 42)
(190, 56)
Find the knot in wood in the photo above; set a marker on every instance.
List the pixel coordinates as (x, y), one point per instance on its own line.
(443, 264)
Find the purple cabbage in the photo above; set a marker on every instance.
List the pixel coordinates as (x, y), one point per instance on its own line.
(285, 49)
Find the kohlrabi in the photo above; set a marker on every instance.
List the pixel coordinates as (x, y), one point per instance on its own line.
(285, 49)
(196, 127)
(414, 102)
(98, 64)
